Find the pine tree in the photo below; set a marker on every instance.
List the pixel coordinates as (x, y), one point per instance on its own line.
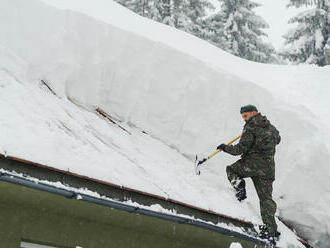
(186, 15)
(153, 10)
(237, 29)
(308, 42)
(138, 6)
(196, 12)
(165, 10)
(327, 52)
(157, 10)
(179, 18)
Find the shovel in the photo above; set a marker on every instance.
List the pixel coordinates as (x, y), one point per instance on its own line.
(200, 162)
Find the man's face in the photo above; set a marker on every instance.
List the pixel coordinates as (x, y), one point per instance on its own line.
(247, 115)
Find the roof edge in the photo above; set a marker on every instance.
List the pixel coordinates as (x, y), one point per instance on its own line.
(30, 183)
(28, 162)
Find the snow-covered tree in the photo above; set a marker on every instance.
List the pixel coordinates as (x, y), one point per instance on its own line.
(153, 10)
(158, 10)
(327, 52)
(307, 42)
(237, 29)
(165, 9)
(138, 6)
(186, 15)
(196, 12)
(178, 16)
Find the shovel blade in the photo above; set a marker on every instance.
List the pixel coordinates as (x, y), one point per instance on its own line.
(197, 169)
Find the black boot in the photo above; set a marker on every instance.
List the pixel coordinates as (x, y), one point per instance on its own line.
(264, 234)
(241, 191)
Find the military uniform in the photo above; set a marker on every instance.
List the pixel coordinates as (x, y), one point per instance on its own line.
(257, 150)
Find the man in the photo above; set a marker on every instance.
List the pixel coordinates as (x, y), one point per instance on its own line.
(257, 150)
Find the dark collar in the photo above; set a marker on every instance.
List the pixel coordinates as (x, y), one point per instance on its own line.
(253, 117)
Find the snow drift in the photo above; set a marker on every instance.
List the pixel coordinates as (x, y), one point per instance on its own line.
(183, 91)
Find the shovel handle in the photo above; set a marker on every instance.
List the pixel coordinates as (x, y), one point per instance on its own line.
(229, 143)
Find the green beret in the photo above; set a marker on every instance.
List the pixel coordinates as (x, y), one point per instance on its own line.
(248, 108)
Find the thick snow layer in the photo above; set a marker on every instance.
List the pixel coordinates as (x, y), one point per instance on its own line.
(59, 133)
(184, 92)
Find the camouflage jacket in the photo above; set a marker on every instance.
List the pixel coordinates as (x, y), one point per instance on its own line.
(259, 138)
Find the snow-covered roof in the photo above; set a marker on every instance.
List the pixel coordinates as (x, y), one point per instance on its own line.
(183, 92)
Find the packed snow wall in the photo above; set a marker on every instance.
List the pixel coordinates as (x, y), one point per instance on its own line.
(172, 86)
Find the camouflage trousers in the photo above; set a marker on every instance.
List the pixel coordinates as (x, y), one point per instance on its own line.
(264, 187)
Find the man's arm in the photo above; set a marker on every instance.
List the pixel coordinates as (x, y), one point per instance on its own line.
(243, 145)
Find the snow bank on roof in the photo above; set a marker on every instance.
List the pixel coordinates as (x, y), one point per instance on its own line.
(58, 133)
(178, 88)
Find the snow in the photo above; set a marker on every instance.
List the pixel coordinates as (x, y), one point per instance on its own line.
(319, 39)
(235, 245)
(184, 92)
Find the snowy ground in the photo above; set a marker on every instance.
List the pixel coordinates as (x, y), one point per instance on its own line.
(184, 92)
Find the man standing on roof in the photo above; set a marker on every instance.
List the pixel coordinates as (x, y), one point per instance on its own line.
(257, 150)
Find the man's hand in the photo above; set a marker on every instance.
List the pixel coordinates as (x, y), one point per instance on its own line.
(222, 147)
